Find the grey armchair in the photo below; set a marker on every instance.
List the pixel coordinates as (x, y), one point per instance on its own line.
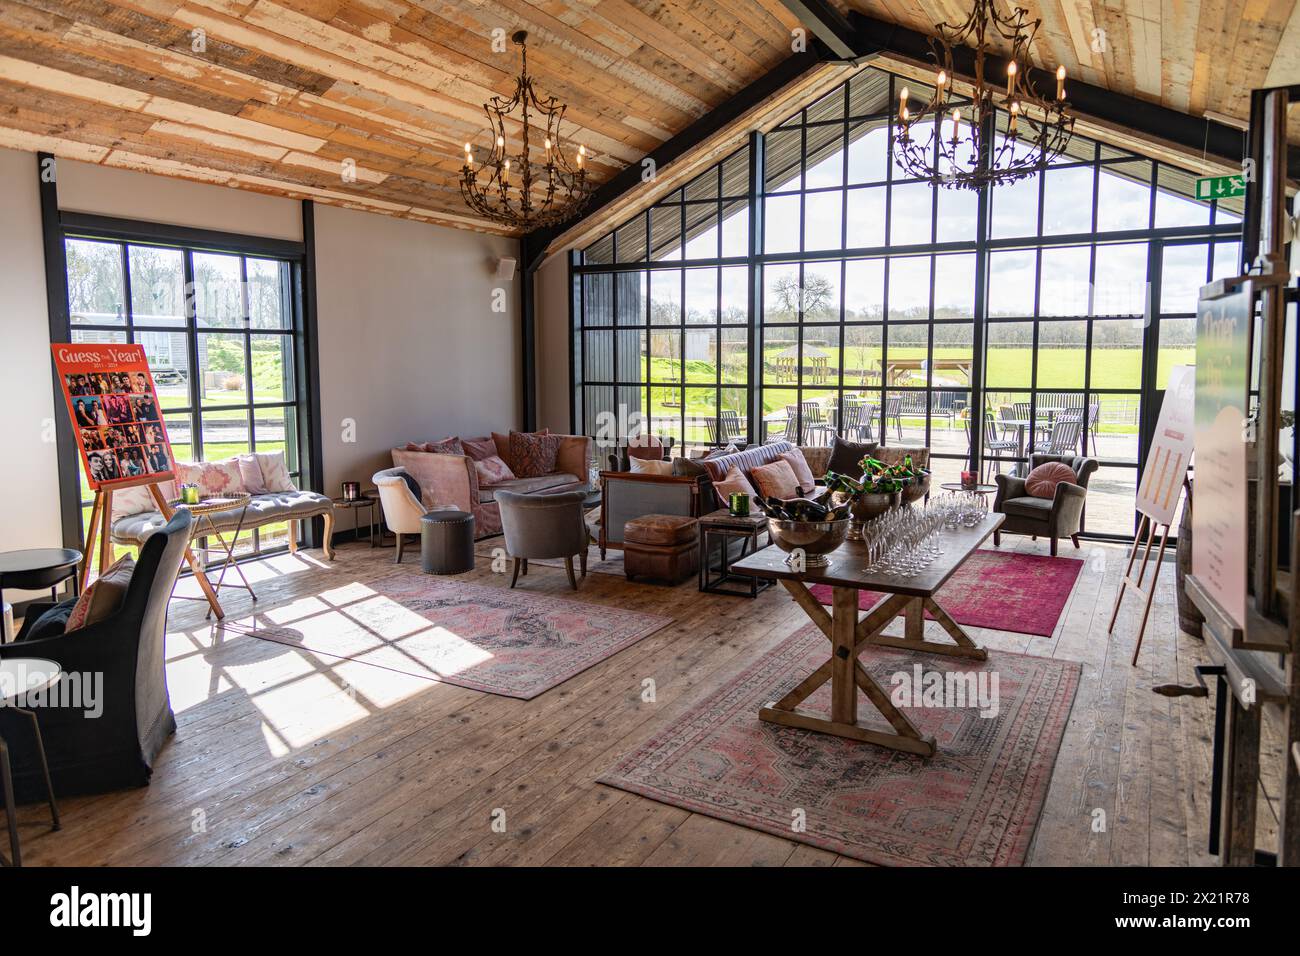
(1058, 517)
(544, 526)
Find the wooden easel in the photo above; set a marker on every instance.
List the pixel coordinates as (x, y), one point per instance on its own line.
(100, 527)
(1149, 526)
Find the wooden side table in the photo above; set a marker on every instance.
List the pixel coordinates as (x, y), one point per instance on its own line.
(723, 527)
(355, 505)
(20, 676)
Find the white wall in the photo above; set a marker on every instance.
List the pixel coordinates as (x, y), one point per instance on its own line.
(410, 349)
(105, 191)
(409, 346)
(31, 487)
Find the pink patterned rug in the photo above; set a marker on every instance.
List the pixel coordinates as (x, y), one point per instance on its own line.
(512, 643)
(1024, 593)
(975, 803)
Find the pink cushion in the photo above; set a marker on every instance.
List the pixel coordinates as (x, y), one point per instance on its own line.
(250, 473)
(480, 449)
(533, 455)
(448, 446)
(492, 471)
(1042, 481)
(733, 483)
(776, 480)
(802, 473)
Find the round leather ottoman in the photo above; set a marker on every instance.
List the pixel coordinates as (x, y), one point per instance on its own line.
(447, 542)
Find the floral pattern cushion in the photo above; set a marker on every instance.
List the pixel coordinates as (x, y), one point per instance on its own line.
(492, 471)
(502, 443)
(448, 446)
(214, 478)
(533, 455)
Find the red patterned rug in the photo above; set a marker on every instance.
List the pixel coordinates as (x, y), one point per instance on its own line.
(512, 643)
(975, 803)
(1024, 593)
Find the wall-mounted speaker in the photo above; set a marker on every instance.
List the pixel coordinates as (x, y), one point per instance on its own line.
(505, 270)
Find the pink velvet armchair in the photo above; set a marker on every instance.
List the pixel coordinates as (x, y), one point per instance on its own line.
(451, 481)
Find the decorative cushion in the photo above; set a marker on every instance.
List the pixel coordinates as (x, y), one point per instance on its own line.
(502, 443)
(480, 448)
(51, 623)
(139, 500)
(734, 482)
(533, 455)
(802, 473)
(846, 456)
(688, 468)
(417, 446)
(103, 597)
(250, 473)
(650, 466)
(448, 446)
(1042, 481)
(275, 472)
(660, 529)
(645, 447)
(776, 480)
(492, 471)
(214, 478)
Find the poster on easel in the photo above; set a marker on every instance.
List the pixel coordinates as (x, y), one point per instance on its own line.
(116, 415)
(1171, 448)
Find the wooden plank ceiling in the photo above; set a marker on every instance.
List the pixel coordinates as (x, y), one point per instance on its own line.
(1190, 55)
(283, 92)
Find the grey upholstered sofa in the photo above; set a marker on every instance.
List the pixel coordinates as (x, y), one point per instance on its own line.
(263, 509)
(1057, 517)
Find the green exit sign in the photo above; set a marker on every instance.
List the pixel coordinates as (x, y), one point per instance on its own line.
(1220, 187)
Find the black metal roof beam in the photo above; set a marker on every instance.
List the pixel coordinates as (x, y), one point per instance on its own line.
(828, 25)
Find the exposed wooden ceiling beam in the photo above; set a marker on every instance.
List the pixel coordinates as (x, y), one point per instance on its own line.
(827, 24)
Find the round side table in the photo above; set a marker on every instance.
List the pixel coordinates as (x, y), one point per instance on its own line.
(355, 505)
(977, 490)
(36, 569)
(20, 676)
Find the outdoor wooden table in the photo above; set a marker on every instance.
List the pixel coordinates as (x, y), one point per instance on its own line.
(906, 597)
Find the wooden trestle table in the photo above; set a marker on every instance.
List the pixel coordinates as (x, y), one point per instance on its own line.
(905, 597)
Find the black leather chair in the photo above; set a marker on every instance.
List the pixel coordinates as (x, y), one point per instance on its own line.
(115, 749)
(1057, 517)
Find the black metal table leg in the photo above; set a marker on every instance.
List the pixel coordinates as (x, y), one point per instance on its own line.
(11, 811)
(45, 766)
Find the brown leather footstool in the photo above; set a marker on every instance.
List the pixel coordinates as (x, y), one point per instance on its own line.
(664, 547)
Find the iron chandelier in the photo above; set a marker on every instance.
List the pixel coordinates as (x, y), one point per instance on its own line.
(519, 190)
(1036, 130)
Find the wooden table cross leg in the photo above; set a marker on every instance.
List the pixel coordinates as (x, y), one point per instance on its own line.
(848, 636)
(199, 575)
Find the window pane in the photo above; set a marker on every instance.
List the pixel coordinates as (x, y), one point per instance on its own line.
(864, 290)
(169, 362)
(781, 293)
(821, 292)
(701, 296)
(598, 299)
(821, 355)
(868, 146)
(633, 349)
(665, 232)
(276, 429)
(666, 297)
(1061, 349)
(735, 355)
(1111, 496)
(1124, 196)
(1009, 354)
(910, 214)
(735, 229)
(781, 224)
(630, 240)
(735, 295)
(1064, 282)
(1116, 353)
(863, 355)
(665, 356)
(702, 232)
(157, 286)
(954, 286)
(825, 159)
(1067, 201)
(1182, 273)
(780, 356)
(181, 436)
(221, 369)
(1015, 209)
(218, 294)
(1177, 347)
(1121, 280)
(823, 217)
(866, 225)
(1176, 204)
(225, 433)
(95, 287)
(267, 305)
(781, 158)
(909, 288)
(1011, 283)
(958, 212)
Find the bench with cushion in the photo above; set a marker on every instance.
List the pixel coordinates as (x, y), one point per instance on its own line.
(263, 475)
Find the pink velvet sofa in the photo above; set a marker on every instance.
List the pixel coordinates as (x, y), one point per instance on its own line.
(451, 481)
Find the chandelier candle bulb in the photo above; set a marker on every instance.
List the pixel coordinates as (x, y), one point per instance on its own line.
(1011, 77)
(1060, 82)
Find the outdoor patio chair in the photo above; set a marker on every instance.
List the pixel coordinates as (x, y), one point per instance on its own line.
(1064, 437)
(816, 429)
(994, 446)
